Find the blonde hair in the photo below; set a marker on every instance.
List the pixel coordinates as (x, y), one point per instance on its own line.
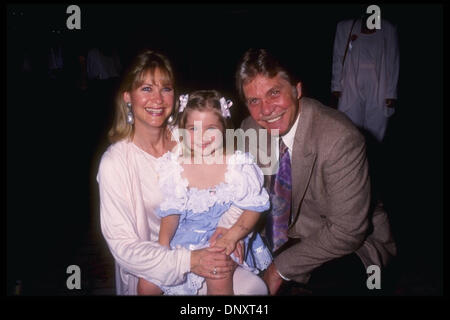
(146, 62)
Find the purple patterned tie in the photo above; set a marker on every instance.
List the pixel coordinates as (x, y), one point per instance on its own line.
(280, 198)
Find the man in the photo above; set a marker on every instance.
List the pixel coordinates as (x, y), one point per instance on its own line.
(365, 73)
(321, 219)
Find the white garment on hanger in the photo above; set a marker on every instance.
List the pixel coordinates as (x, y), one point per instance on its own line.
(369, 75)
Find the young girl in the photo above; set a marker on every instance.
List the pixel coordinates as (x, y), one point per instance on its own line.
(200, 185)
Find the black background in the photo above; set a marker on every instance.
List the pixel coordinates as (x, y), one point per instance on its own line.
(55, 136)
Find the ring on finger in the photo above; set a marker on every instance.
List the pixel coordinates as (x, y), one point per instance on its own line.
(214, 272)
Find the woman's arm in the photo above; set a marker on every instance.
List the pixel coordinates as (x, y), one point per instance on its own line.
(167, 230)
(123, 227)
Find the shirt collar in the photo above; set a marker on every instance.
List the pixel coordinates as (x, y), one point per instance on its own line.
(289, 137)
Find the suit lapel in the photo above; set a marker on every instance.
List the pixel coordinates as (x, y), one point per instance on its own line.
(303, 158)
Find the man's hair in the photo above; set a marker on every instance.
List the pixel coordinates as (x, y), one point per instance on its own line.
(260, 62)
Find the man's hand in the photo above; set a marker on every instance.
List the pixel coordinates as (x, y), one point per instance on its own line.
(272, 279)
(211, 263)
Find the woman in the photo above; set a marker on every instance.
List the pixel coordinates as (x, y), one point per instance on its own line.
(128, 187)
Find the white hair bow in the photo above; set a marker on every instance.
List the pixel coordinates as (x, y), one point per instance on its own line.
(183, 102)
(225, 106)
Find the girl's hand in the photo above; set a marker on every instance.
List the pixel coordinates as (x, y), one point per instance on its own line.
(239, 247)
(239, 251)
(228, 244)
(220, 232)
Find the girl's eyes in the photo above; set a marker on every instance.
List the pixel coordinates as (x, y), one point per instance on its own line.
(147, 89)
(196, 129)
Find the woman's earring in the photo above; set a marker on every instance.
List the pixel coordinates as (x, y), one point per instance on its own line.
(130, 117)
(170, 119)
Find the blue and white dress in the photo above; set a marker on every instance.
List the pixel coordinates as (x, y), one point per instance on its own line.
(201, 209)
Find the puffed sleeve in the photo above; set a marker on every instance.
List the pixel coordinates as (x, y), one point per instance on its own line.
(119, 226)
(247, 182)
(172, 186)
(229, 218)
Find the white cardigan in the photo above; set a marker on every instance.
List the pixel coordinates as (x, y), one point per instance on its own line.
(387, 62)
(129, 195)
